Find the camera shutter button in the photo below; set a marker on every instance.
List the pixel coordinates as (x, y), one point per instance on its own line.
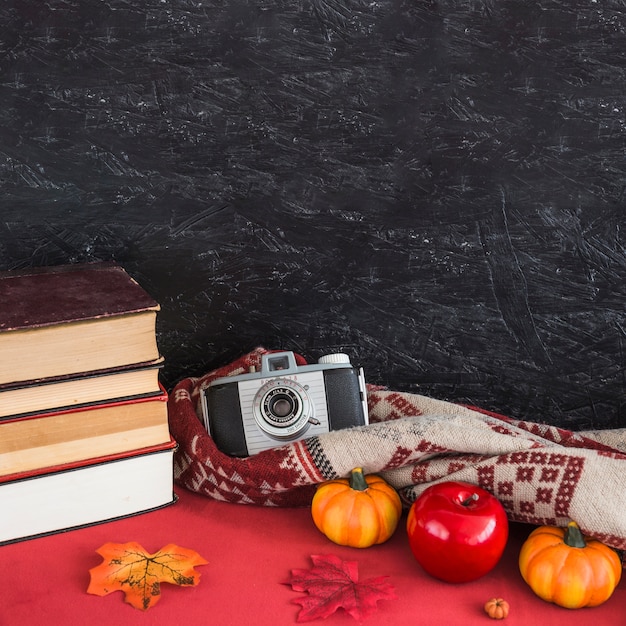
(338, 357)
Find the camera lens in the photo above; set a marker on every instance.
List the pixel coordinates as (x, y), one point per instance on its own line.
(281, 406)
(282, 409)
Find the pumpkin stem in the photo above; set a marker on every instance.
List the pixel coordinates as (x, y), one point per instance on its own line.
(469, 500)
(357, 480)
(573, 537)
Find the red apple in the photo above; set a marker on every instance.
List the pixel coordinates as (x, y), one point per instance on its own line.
(457, 531)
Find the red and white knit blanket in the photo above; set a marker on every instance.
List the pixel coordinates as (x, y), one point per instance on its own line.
(541, 474)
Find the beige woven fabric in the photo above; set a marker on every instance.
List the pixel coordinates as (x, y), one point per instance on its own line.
(541, 474)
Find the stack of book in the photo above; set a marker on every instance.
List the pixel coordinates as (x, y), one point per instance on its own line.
(84, 435)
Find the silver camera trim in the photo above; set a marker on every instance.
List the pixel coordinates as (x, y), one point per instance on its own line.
(294, 425)
(313, 418)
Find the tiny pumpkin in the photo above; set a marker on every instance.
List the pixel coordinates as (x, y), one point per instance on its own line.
(497, 608)
(358, 511)
(562, 566)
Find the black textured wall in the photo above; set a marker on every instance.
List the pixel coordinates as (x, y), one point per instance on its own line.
(435, 187)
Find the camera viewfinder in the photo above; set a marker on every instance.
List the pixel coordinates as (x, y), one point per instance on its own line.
(278, 363)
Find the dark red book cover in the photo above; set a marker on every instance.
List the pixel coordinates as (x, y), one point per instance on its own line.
(53, 295)
(155, 364)
(160, 396)
(75, 465)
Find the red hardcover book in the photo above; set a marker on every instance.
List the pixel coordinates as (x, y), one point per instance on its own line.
(69, 319)
(54, 438)
(78, 390)
(93, 491)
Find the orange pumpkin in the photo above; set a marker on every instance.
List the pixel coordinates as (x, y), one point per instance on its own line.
(497, 608)
(562, 566)
(358, 511)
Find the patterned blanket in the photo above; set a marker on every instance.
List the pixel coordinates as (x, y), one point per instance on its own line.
(541, 474)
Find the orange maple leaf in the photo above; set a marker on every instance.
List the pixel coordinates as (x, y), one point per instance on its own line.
(129, 568)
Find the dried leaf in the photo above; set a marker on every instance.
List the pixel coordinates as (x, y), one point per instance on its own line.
(332, 584)
(129, 568)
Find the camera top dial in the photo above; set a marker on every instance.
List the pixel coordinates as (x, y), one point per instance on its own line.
(334, 357)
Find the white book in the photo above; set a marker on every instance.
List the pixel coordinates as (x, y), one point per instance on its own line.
(90, 492)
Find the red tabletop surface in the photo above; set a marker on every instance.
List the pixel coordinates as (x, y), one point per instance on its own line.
(251, 552)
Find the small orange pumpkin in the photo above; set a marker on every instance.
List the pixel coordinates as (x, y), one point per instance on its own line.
(562, 566)
(497, 608)
(358, 511)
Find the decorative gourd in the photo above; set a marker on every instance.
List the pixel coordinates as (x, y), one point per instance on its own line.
(358, 511)
(562, 566)
(497, 608)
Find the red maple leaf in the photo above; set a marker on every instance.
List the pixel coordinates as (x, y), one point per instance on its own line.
(332, 584)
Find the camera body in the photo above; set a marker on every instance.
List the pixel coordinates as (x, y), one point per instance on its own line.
(283, 402)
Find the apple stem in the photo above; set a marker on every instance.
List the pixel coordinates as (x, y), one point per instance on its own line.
(469, 500)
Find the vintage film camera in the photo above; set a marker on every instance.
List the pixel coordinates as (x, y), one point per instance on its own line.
(283, 402)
